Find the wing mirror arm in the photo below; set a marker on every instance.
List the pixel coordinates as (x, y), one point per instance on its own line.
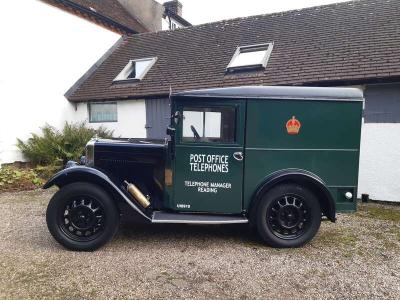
(176, 117)
(171, 131)
(171, 144)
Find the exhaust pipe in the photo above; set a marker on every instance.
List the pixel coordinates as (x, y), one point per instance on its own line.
(137, 194)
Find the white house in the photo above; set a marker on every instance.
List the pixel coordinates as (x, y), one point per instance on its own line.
(44, 50)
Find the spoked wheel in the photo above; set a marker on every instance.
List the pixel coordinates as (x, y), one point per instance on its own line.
(82, 216)
(288, 215)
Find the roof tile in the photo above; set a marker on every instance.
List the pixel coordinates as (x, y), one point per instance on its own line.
(111, 9)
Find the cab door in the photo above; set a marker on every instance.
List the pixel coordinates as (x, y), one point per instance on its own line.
(209, 156)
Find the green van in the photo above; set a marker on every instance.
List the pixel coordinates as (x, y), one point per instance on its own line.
(279, 158)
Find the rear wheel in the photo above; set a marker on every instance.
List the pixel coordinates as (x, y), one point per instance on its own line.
(82, 216)
(289, 215)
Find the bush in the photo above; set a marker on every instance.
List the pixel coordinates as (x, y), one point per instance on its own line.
(12, 179)
(45, 172)
(54, 148)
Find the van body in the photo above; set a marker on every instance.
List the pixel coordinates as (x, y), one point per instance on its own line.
(279, 158)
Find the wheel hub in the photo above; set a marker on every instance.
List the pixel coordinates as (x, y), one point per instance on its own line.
(82, 218)
(288, 216)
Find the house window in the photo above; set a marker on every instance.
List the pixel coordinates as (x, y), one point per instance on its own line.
(255, 56)
(209, 124)
(136, 69)
(103, 112)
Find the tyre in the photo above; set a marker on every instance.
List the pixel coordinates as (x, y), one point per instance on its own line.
(288, 215)
(82, 216)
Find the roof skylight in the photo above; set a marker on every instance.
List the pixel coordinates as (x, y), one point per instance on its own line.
(254, 56)
(136, 69)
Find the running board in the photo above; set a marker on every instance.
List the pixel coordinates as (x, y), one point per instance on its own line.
(183, 218)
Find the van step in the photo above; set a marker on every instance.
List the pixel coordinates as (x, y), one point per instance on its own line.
(179, 218)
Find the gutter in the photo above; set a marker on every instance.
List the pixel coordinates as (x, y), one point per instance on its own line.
(180, 19)
(98, 16)
(162, 95)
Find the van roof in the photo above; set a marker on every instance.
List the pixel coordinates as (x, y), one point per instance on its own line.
(278, 92)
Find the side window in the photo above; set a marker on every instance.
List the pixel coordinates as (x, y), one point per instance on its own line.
(206, 124)
(103, 112)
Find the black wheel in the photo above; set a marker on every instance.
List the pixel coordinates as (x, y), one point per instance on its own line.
(288, 215)
(82, 216)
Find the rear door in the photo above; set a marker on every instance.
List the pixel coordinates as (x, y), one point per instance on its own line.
(208, 165)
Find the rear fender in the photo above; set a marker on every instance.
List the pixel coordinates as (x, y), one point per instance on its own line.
(87, 174)
(302, 177)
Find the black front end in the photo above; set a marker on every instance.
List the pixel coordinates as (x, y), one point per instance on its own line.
(138, 161)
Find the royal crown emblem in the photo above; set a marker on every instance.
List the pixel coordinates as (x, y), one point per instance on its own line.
(293, 126)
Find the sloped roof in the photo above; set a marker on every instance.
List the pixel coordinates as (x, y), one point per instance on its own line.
(349, 42)
(107, 11)
(114, 10)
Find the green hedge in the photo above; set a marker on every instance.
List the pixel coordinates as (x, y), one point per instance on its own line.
(55, 147)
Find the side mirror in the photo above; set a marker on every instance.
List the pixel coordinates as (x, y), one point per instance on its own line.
(171, 131)
(176, 117)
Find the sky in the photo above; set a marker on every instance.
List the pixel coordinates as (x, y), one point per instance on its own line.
(205, 11)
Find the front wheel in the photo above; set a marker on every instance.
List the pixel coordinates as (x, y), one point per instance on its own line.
(82, 216)
(289, 215)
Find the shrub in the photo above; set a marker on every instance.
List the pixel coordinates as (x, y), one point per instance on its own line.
(12, 179)
(54, 147)
(45, 172)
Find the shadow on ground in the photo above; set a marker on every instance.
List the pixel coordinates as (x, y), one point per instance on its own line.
(133, 229)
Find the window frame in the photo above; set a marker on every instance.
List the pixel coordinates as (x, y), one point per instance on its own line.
(193, 107)
(108, 102)
(248, 48)
(119, 78)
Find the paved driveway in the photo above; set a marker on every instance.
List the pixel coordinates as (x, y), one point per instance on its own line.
(358, 257)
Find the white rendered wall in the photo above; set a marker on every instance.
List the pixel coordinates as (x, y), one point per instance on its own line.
(43, 52)
(131, 118)
(379, 174)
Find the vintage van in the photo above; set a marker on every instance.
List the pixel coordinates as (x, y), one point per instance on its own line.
(278, 158)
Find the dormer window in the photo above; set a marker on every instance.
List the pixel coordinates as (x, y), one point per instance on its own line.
(254, 56)
(135, 70)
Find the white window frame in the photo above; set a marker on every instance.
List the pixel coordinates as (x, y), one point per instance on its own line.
(205, 137)
(107, 102)
(121, 76)
(266, 46)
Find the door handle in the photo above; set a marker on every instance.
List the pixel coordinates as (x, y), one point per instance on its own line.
(238, 156)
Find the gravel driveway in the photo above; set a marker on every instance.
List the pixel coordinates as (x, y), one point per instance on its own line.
(358, 257)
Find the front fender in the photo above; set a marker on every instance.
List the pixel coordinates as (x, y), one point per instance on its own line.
(86, 174)
(302, 177)
(76, 173)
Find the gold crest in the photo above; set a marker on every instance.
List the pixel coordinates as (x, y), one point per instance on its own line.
(293, 126)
